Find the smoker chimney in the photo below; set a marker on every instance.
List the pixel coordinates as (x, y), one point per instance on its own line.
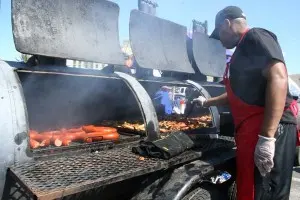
(200, 26)
(147, 6)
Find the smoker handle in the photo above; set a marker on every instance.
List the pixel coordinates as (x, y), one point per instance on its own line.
(145, 104)
(213, 109)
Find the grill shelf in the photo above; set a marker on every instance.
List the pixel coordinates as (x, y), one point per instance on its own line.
(55, 178)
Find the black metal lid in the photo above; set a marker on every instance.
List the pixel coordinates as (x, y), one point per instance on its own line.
(158, 44)
(209, 55)
(71, 29)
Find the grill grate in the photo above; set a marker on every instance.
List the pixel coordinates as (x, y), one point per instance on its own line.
(55, 178)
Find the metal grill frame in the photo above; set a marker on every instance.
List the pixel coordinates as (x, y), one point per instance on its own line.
(136, 168)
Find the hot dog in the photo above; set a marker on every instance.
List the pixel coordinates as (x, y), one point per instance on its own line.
(91, 128)
(66, 141)
(88, 128)
(45, 143)
(43, 135)
(55, 137)
(75, 136)
(34, 144)
(74, 130)
(58, 142)
(64, 137)
(36, 136)
(98, 136)
(111, 136)
(88, 140)
(33, 132)
(71, 130)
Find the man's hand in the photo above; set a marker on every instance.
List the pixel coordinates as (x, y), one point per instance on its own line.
(199, 101)
(221, 100)
(264, 154)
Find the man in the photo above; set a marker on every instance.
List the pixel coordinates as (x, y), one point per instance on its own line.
(256, 84)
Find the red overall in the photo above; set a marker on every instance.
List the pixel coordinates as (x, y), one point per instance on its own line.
(248, 120)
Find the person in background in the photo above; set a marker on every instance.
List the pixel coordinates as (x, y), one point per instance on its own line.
(164, 96)
(263, 110)
(126, 68)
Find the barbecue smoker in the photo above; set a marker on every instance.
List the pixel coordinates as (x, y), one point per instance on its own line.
(47, 110)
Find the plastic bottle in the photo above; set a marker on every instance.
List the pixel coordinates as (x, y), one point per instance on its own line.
(182, 106)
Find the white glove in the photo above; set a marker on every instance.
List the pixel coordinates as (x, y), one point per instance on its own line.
(264, 154)
(200, 100)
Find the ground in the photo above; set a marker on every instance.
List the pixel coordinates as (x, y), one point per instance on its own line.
(295, 192)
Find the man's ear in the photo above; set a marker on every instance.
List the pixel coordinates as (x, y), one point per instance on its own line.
(227, 23)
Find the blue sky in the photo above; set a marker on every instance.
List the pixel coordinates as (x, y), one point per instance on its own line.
(281, 17)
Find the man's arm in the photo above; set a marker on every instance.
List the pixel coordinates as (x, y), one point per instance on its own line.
(221, 100)
(276, 90)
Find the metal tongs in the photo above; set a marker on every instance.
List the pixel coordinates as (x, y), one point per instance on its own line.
(190, 109)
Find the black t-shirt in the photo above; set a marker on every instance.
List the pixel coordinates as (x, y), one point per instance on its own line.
(256, 51)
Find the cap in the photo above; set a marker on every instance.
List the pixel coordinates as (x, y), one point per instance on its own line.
(230, 12)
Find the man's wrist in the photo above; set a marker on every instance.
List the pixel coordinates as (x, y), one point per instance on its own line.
(269, 134)
(204, 103)
(266, 138)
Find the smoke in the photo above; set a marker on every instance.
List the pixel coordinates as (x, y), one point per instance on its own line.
(63, 101)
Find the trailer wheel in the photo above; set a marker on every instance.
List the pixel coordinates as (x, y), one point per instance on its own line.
(232, 191)
(202, 193)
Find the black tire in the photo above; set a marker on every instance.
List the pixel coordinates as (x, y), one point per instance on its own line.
(232, 191)
(202, 193)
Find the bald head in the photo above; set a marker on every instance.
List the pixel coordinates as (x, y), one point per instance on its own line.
(230, 24)
(239, 23)
(230, 31)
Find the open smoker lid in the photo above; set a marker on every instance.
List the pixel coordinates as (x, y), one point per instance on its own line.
(209, 55)
(81, 30)
(158, 44)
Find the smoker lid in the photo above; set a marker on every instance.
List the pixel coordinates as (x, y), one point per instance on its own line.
(209, 55)
(158, 44)
(71, 29)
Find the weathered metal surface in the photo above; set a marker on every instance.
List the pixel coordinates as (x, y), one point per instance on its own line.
(209, 55)
(55, 178)
(72, 29)
(145, 104)
(175, 183)
(158, 44)
(13, 122)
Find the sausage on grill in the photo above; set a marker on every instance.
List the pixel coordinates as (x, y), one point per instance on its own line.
(45, 143)
(99, 136)
(34, 144)
(92, 128)
(64, 137)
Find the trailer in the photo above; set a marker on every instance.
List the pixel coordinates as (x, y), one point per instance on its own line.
(50, 97)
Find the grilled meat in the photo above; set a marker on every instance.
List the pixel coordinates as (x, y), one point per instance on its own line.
(165, 124)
